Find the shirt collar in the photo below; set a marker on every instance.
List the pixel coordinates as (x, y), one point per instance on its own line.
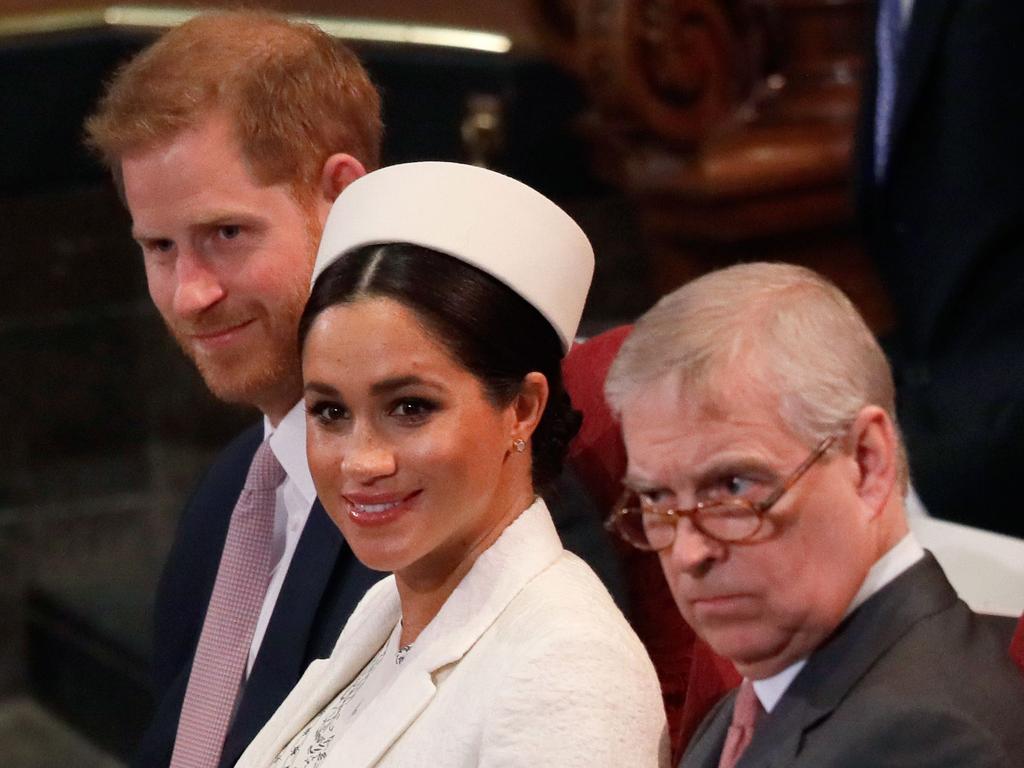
(288, 442)
(770, 689)
(906, 9)
(890, 565)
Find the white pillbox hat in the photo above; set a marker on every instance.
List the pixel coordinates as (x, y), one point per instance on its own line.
(483, 218)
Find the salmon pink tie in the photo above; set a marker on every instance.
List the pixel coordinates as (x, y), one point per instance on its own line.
(745, 713)
(238, 592)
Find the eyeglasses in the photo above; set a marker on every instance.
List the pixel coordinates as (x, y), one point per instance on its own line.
(640, 522)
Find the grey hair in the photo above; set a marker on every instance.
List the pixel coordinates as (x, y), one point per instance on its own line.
(793, 330)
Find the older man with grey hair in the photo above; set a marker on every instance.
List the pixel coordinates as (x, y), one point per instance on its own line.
(767, 471)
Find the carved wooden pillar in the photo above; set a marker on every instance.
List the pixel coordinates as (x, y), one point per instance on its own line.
(730, 124)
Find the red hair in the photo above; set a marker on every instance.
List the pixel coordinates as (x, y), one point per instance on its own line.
(294, 95)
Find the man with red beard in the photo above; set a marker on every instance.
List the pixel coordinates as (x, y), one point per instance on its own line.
(229, 139)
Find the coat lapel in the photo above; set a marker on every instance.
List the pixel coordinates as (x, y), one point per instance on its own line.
(920, 44)
(525, 548)
(323, 680)
(705, 749)
(838, 665)
(391, 714)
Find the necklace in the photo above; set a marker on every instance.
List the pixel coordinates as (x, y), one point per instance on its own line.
(402, 652)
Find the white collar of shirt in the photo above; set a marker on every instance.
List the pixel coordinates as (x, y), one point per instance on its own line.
(890, 565)
(288, 442)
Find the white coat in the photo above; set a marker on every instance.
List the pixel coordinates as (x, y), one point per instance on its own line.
(528, 663)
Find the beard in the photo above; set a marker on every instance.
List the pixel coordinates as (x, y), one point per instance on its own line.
(258, 381)
(263, 369)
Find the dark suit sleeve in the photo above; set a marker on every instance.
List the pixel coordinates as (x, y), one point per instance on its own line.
(945, 228)
(936, 736)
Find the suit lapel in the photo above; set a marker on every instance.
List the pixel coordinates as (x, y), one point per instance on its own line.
(324, 679)
(838, 665)
(283, 652)
(920, 44)
(391, 715)
(705, 748)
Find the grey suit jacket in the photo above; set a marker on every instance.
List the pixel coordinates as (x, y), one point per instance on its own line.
(911, 678)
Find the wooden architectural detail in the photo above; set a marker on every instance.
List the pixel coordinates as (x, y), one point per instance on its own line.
(662, 69)
(730, 125)
(559, 18)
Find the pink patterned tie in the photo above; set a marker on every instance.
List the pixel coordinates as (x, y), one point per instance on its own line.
(235, 604)
(745, 713)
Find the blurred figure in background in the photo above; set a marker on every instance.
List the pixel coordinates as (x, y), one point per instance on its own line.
(941, 197)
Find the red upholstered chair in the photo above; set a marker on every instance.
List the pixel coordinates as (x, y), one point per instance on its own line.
(692, 676)
(1017, 646)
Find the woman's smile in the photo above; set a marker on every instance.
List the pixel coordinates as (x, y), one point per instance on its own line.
(370, 510)
(393, 415)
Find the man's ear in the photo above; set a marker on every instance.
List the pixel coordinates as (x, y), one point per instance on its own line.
(339, 171)
(528, 406)
(875, 452)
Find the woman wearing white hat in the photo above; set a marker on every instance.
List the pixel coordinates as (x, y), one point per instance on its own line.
(444, 298)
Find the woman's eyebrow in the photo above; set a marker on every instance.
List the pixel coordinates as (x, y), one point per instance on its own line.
(398, 382)
(318, 388)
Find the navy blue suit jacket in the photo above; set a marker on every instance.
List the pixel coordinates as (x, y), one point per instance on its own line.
(320, 590)
(946, 229)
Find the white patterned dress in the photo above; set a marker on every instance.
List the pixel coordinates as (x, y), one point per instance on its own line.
(313, 743)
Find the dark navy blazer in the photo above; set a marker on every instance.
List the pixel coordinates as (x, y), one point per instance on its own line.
(946, 230)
